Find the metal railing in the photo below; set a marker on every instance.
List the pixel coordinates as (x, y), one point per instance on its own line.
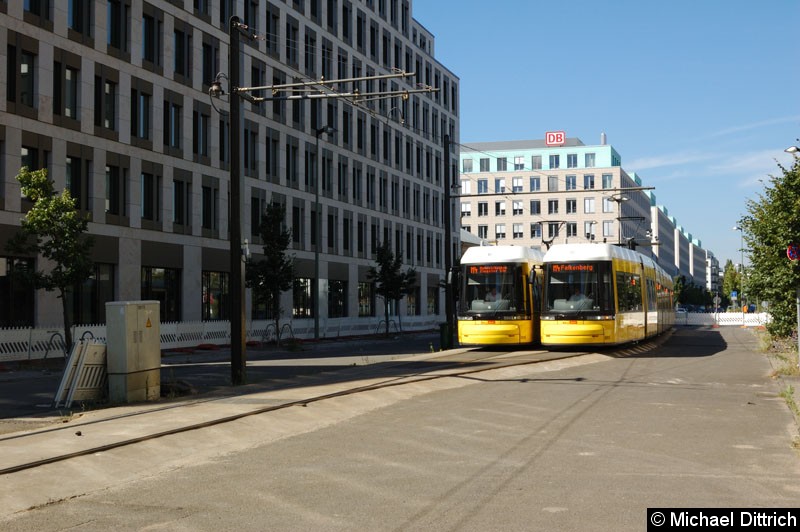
(28, 343)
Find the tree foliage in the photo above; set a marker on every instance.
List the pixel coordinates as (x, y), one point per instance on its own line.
(772, 223)
(391, 283)
(688, 293)
(731, 281)
(272, 274)
(54, 229)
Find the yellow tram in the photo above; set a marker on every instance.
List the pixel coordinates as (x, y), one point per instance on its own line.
(602, 294)
(499, 296)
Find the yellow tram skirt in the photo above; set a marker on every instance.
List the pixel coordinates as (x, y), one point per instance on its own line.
(566, 332)
(483, 332)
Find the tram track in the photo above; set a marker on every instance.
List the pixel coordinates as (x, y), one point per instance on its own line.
(445, 366)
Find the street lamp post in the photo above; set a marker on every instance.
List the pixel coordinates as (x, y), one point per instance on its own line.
(619, 199)
(238, 355)
(328, 130)
(739, 228)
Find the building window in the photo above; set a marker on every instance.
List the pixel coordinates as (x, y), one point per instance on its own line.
(151, 196)
(292, 36)
(589, 160)
(554, 161)
(517, 207)
(500, 231)
(77, 181)
(499, 208)
(181, 202)
(499, 186)
(16, 297)
(433, 301)
(608, 228)
(588, 205)
(163, 285)
(484, 164)
(302, 298)
(588, 181)
(552, 229)
(366, 299)
(552, 183)
(608, 205)
(105, 103)
(516, 185)
(119, 26)
(572, 206)
(588, 230)
(216, 294)
(572, 160)
(536, 162)
(466, 165)
(608, 181)
(483, 231)
(79, 16)
(466, 210)
(201, 126)
(141, 112)
(517, 231)
(65, 91)
(152, 28)
(572, 229)
(571, 182)
(210, 207)
(483, 186)
(172, 124)
(483, 208)
(502, 164)
(116, 190)
(21, 77)
(536, 230)
(536, 184)
(182, 53)
(536, 207)
(552, 206)
(88, 299)
(337, 299)
(519, 163)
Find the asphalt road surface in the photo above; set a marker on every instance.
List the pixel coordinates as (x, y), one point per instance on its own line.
(584, 443)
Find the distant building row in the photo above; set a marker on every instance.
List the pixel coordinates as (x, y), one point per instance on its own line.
(535, 193)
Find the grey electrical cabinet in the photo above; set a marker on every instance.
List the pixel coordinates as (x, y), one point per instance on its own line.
(133, 351)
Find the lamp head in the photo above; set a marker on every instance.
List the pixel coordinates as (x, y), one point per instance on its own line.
(792, 149)
(215, 90)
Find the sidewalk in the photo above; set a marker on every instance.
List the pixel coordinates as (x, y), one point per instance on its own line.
(27, 390)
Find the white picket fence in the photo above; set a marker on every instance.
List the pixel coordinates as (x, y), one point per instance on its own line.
(26, 343)
(723, 319)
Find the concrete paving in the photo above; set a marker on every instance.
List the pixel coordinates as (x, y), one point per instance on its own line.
(738, 413)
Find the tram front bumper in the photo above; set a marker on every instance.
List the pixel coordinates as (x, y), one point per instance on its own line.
(574, 333)
(493, 334)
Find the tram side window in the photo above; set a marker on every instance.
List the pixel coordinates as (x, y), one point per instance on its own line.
(629, 292)
(651, 295)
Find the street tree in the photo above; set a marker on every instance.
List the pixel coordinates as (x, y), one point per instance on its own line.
(272, 274)
(731, 281)
(55, 230)
(391, 283)
(772, 224)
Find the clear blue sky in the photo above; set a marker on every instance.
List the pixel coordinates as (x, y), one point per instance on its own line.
(699, 97)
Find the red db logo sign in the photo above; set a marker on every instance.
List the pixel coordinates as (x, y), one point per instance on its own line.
(554, 138)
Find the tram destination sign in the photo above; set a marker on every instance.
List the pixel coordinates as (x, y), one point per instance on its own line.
(566, 268)
(486, 269)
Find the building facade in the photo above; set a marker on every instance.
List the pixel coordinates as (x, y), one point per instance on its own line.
(535, 193)
(112, 98)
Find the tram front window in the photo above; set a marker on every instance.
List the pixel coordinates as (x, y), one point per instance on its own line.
(577, 288)
(493, 288)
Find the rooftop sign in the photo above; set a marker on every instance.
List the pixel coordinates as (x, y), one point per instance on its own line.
(555, 138)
